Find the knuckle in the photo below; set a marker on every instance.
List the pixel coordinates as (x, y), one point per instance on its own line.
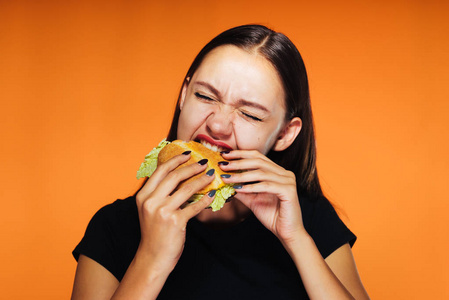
(258, 173)
(166, 216)
(176, 221)
(142, 199)
(162, 168)
(291, 175)
(265, 184)
(139, 198)
(260, 160)
(255, 152)
(201, 204)
(147, 205)
(173, 176)
(188, 188)
(197, 207)
(163, 213)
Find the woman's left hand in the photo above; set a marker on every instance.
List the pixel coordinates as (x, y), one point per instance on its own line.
(268, 190)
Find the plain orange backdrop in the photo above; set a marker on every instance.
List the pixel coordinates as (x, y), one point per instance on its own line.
(87, 88)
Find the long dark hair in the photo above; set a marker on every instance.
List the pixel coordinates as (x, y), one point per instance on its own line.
(300, 157)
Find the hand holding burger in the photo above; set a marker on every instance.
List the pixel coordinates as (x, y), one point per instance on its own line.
(166, 150)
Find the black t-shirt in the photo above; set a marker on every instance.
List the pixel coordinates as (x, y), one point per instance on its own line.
(245, 261)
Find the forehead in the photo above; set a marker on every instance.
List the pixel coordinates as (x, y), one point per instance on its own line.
(237, 73)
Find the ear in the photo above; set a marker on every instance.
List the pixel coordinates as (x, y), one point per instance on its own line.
(288, 134)
(184, 92)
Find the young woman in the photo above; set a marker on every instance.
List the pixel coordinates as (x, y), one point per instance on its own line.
(279, 238)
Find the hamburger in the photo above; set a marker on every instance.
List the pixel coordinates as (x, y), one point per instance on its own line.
(166, 150)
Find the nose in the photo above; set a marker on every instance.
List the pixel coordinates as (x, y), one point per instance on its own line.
(219, 122)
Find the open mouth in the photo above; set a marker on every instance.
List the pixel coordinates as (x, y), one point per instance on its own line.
(214, 146)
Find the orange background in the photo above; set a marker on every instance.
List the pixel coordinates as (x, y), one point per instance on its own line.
(87, 88)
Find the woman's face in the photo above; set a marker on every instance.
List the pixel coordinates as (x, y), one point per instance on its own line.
(234, 100)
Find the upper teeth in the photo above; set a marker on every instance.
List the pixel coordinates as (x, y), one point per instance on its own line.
(212, 147)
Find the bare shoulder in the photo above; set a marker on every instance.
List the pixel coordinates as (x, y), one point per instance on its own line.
(342, 264)
(93, 281)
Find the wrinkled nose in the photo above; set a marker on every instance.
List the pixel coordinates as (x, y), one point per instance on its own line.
(219, 123)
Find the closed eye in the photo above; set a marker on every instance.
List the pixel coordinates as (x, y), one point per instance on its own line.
(201, 96)
(251, 117)
(209, 99)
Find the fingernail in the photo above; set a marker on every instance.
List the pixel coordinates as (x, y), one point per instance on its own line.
(211, 193)
(223, 163)
(203, 161)
(186, 152)
(225, 176)
(225, 152)
(210, 172)
(237, 186)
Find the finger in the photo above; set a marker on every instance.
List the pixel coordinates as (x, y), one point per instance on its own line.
(161, 172)
(283, 192)
(175, 177)
(252, 164)
(188, 189)
(257, 176)
(239, 154)
(194, 209)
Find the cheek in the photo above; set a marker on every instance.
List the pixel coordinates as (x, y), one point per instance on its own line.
(191, 118)
(250, 137)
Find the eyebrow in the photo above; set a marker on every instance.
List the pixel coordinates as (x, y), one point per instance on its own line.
(241, 102)
(210, 87)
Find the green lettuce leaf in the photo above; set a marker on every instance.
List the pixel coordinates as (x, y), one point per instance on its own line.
(149, 165)
(221, 196)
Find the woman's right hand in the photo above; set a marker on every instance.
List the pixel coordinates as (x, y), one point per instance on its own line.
(162, 220)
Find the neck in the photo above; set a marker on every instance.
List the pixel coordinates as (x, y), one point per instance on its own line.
(232, 213)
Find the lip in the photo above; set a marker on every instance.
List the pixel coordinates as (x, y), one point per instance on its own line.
(208, 139)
